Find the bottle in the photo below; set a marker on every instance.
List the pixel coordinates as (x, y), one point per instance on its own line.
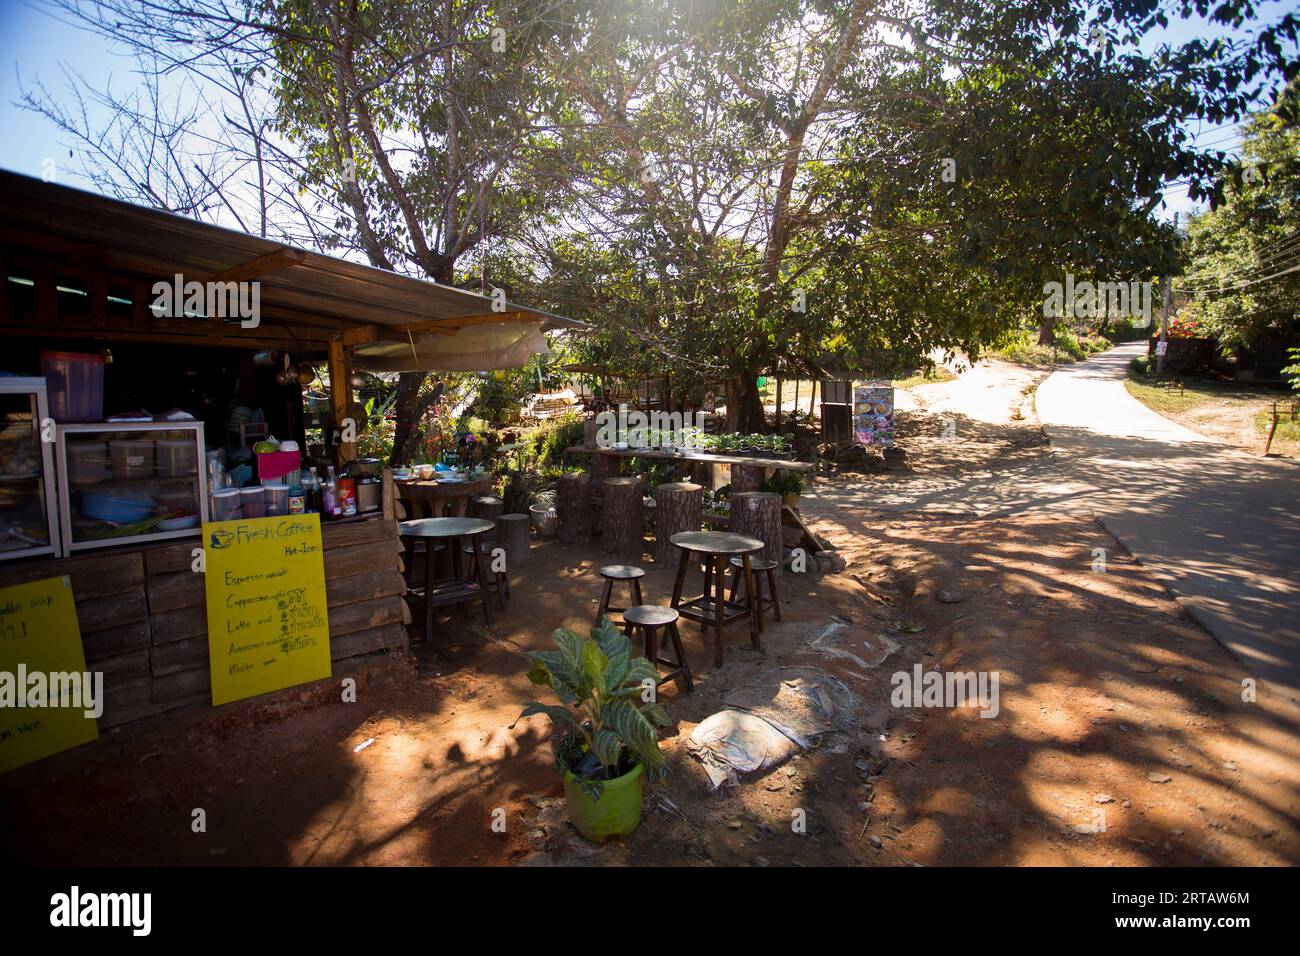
(313, 492)
(297, 501)
(330, 496)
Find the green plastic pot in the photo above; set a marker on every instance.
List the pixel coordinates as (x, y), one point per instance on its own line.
(616, 813)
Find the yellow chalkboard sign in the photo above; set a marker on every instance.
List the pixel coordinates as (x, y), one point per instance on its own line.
(267, 624)
(45, 691)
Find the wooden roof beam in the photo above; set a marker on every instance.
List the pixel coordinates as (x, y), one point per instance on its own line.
(262, 265)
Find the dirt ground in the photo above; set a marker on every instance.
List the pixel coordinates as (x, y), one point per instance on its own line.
(1121, 738)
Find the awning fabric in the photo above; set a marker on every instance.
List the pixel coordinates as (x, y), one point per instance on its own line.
(480, 348)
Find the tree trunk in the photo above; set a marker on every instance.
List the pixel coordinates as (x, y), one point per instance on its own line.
(1046, 332)
(407, 409)
(744, 406)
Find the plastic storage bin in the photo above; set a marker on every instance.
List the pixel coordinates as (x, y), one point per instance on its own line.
(176, 457)
(132, 457)
(75, 385)
(87, 462)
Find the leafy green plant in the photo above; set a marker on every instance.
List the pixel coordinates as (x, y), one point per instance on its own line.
(608, 725)
(785, 483)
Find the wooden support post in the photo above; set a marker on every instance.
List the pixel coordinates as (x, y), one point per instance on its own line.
(747, 478)
(341, 397)
(778, 402)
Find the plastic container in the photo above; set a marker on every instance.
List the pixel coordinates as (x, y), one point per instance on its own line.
(252, 501)
(277, 499)
(87, 462)
(226, 504)
(119, 509)
(275, 465)
(347, 497)
(177, 458)
(74, 383)
(131, 457)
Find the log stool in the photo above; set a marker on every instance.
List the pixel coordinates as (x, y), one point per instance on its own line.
(649, 618)
(678, 507)
(573, 507)
(498, 581)
(513, 533)
(759, 567)
(621, 516)
(619, 572)
(758, 515)
(487, 508)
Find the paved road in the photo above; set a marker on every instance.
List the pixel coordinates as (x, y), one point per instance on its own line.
(1220, 528)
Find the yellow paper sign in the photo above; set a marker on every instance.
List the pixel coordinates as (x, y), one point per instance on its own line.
(267, 623)
(45, 690)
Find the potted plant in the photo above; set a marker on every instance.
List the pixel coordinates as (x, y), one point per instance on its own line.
(610, 724)
(787, 484)
(542, 511)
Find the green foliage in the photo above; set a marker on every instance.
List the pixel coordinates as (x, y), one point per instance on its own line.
(602, 710)
(1239, 249)
(1292, 372)
(548, 441)
(785, 483)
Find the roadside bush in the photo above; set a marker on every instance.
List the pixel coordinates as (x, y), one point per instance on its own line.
(1141, 364)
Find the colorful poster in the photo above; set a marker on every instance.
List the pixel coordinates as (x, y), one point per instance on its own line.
(267, 624)
(873, 415)
(48, 701)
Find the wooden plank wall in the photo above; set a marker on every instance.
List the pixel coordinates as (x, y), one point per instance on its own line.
(144, 621)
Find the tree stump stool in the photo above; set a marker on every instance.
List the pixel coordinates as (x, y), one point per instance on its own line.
(602, 467)
(678, 505)
(649, 618)
(759, 567)
(621, 516)
(513, 534)
(573, 507)
(757, 514)
(498, 581)
(619, 572)
(489, 509)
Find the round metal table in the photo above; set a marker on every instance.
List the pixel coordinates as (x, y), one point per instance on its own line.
(714, 610)
(456, 589)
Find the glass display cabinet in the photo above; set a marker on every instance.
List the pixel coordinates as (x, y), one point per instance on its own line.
(130, 483)
(29, 525)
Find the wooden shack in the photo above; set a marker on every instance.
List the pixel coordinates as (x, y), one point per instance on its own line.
(80, 273)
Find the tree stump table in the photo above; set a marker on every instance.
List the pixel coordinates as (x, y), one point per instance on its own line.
(748, 477)
(513, 535)
(621, 516)
(678, 506)
(758, 515)
(573, 507)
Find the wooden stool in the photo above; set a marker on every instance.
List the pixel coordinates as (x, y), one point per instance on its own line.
(619, 572)
(649, 618)
(513, 533)
(500, 581)
(758, 566)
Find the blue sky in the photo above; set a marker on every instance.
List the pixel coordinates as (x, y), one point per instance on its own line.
(35, 45)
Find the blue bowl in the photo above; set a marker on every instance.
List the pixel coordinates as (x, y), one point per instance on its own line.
(104, 507)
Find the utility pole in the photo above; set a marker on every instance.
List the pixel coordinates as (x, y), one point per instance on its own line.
(1163, 347)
